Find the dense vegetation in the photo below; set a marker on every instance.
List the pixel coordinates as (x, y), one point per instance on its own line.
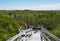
(11, 20)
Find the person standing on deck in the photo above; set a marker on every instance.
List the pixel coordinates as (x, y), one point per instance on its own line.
(27, 25)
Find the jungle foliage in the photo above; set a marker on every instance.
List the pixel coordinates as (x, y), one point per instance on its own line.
(11, 20)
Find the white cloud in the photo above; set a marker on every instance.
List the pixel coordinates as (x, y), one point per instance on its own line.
(34, 7)
(46, 7)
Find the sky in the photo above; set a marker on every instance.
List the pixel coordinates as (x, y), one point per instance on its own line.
(30, 4)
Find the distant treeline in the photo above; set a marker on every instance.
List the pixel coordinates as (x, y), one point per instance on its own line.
(11, 20)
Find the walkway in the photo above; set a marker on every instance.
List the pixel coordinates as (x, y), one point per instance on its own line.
(35, 37)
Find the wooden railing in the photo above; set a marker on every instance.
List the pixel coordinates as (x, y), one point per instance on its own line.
(45, 35)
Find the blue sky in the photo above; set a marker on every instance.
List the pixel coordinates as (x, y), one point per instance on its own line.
(30, 4)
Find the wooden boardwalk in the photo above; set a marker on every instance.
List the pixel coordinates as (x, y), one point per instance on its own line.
(34, 35)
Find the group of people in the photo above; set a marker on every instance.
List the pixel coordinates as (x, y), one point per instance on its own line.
(28, 25)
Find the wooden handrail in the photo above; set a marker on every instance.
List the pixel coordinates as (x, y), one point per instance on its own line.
(51, 35)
